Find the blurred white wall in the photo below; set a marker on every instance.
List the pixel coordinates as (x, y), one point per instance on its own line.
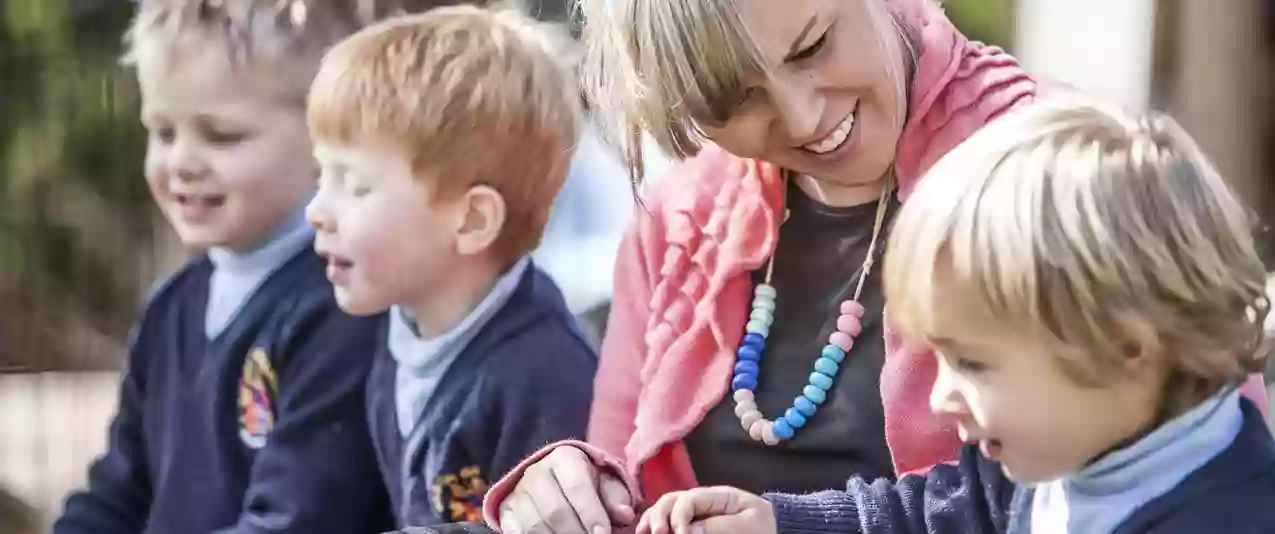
(1102, 47)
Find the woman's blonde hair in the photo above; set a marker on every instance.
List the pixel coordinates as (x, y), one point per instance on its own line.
(1068, 218)
(657, 65)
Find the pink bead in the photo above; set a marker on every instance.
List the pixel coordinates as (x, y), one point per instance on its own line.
(849, 324)
(851, 307)
(840, 339)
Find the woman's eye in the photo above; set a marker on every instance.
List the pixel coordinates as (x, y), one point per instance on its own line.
(810, 51)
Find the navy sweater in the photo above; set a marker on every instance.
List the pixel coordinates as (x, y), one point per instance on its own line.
(1233, 493)
(259, 430)
(524, 381)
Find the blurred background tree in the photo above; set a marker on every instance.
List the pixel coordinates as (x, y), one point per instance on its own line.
(76, 225)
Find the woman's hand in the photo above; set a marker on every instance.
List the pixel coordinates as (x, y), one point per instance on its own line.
(564, 493)
(719, 510)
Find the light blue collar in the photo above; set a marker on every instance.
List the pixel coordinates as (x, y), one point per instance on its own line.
(422, 362)
(1102, 495)
(237, 275)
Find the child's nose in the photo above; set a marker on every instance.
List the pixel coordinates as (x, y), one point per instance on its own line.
(316, 214)
(945, 399)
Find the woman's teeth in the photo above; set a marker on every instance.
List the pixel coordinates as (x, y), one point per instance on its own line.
(834, 139)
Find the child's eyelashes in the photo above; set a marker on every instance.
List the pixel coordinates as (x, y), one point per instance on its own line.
(225, 138)
(966, 365)
(360, 191)
(168, 134)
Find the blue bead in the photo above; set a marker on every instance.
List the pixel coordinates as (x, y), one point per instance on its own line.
(748, 382)
(754, 340)
(746, 367)
(804, 406)
(827, 366)
(821, 381)
(815, 394)
(834, 353)
(748, 353)
(794, 418)
(783, 430)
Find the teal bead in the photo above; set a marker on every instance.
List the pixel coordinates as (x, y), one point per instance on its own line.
(766, 290)
(834, 353)
(762, 303)
(762, 315)
(816, 395)
(758, 327)
(821, 381)
(827, 366)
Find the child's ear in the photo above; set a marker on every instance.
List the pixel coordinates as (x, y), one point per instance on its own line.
(484, 217)
(1140, 343)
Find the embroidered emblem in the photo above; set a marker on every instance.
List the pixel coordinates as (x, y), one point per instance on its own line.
(460, 498)
(257, 388)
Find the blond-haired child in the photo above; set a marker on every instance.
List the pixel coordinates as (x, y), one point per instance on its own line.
(241, 409)
(1096, 305)
(443, 140)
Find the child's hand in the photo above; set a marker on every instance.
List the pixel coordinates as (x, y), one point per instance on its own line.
(719, 510)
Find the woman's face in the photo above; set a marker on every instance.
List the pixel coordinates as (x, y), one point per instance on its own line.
(832, 107)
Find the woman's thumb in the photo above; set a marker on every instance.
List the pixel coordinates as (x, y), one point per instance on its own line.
(616, 499)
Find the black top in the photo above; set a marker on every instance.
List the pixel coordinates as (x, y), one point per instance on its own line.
(820, 254)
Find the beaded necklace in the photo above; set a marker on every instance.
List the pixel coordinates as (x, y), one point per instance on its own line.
(748, 357)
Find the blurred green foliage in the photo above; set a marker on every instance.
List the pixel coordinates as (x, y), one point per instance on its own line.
(989, 21)
(76, 224)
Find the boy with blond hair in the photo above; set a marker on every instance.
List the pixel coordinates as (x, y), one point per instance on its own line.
(241, 409)
(443, 140)
(1096, 305)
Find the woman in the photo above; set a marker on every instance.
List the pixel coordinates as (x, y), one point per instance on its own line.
(816, 108)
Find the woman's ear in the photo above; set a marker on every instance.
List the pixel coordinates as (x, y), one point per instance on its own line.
(483, 219)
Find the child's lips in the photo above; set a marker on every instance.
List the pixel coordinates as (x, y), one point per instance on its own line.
(338, 270)
(197, 207)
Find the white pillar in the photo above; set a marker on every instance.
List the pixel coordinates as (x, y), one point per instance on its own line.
(1102, 47)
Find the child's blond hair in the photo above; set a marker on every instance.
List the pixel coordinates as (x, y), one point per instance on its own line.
(472, 96)
(283, 37)
(1065, 220)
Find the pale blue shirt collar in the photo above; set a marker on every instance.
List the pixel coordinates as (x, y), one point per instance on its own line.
(422, 362)
(1098, 498)
(237, 275)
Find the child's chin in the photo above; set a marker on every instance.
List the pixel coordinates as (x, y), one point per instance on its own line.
(353, 305)
(1026, 476)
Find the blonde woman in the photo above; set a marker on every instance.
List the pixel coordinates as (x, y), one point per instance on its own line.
(746, 344)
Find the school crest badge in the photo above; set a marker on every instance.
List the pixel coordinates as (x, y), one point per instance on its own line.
(459, 498)
(257, 388)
